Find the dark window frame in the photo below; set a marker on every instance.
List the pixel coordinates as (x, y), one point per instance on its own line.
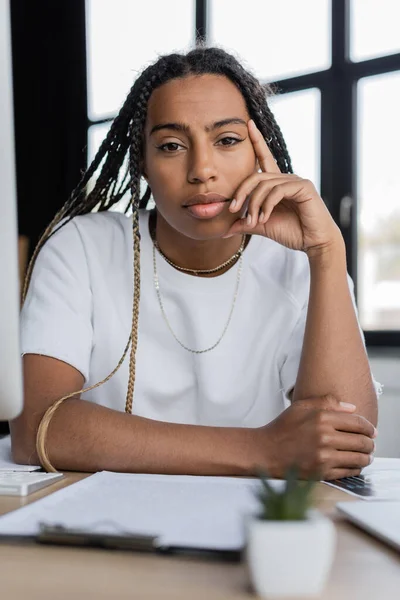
(338, 127)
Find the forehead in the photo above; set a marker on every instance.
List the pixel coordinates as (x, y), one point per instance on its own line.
(198, 98)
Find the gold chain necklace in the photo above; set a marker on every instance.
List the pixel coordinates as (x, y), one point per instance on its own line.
(157, 286)
(230, 260)
(152, 228)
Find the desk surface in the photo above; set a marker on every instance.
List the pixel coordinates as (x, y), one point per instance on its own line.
(364, 568)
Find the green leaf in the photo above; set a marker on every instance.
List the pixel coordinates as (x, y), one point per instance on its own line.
(291, 503)
(267, 486)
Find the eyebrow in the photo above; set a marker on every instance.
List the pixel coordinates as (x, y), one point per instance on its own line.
(186, 129)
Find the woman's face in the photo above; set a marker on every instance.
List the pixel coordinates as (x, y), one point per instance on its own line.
(197, 143)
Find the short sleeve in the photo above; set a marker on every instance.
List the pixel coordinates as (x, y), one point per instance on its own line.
(294, 345)
(56, 319)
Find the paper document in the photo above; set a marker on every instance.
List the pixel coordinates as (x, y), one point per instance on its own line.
(182, 511)
(6, 461)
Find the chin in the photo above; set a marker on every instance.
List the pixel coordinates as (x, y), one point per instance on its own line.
(206, 229)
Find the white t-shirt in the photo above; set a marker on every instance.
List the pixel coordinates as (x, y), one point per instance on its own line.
(79, 310)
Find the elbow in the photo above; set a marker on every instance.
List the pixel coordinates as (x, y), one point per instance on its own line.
(369, 410)
(19, 456)
(24, 456)
(372, 412)
(374, 417)
(23, 447)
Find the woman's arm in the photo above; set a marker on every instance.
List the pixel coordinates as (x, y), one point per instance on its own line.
(289, 210)
(334, 360)
(83, 436)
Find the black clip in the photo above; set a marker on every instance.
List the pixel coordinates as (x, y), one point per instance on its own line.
(60, 535)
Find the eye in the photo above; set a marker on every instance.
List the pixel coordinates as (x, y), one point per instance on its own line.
(169, 147)
(229, 141)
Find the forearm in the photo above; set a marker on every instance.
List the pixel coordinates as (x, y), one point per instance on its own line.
(86, 437)
(334, 360)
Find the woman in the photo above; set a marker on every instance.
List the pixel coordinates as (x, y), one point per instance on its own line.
(244, 299)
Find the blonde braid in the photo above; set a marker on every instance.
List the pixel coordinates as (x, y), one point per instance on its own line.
(135, 312)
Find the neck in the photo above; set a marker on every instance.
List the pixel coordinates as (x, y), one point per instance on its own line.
(194, 254)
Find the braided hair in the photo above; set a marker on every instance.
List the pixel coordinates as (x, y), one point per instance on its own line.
(119, 162)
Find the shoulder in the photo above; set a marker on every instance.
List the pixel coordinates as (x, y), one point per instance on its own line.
(286, 270)
(94, 233)
(77, 246)
(91, 226)
(101, 225)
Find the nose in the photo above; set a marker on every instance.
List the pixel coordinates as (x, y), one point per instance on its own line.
(201, 166)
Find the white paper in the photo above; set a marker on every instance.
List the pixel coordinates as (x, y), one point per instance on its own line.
(6, 461)
(183, 511)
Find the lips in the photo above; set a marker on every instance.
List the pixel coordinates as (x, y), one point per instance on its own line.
(206, 206)
(209, 198)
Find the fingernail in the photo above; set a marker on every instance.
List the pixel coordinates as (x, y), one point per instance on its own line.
(228, 235)
(375, 432)
(233, 204)
(371, 458)
(248, 220)
(260, 218)
(347, 405)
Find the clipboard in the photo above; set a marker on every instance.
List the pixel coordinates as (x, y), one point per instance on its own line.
(164, 514)
(60, 536)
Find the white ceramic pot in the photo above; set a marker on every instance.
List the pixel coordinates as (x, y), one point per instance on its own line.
(290, 558)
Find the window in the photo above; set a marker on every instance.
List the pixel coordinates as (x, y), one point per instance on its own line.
(276, 39)
(96, 135)
(378, 187)
(374, 28)
(122, 37)
(298, 114)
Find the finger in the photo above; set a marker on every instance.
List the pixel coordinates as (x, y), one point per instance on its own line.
(353, 442)
(340, 473)
(352, 424)
(248, 185)
(258, 200)
(239, 227)
(351, 460)
(280, 191)
(263, 153)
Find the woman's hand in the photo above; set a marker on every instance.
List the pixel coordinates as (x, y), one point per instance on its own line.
(282, 207)
(323, 437)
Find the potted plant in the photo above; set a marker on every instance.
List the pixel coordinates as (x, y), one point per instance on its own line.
(290, 547)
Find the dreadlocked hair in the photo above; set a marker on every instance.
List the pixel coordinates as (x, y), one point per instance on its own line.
(119, 162)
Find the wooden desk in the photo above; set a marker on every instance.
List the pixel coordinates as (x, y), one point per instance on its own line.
(364, 568)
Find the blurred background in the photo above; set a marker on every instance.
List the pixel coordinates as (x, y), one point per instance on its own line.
(335, 66)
